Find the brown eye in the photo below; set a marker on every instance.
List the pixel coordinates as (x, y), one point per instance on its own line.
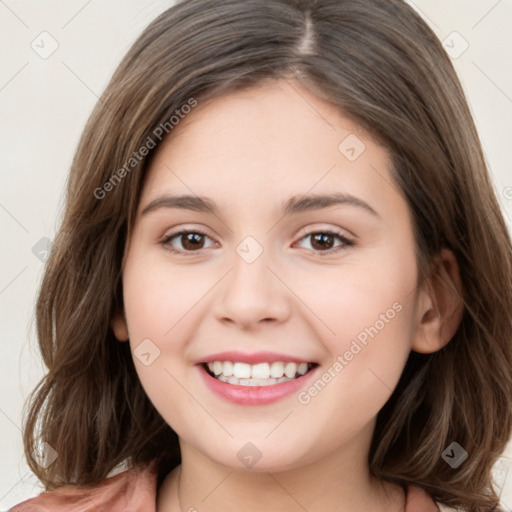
(190, 241)
(323, 241)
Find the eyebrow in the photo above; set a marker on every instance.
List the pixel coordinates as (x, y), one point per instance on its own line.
(295, 204)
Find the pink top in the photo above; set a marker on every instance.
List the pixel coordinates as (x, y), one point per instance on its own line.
(136, 490)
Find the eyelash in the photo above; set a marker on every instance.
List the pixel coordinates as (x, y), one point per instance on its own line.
(346, 242)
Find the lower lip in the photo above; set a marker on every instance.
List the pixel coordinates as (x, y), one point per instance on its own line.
(254, 395)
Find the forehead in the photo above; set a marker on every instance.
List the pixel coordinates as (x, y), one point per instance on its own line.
(269, 141)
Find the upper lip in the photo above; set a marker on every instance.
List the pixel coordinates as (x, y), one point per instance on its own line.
(252, 358)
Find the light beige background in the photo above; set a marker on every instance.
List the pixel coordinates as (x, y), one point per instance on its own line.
(44, 103)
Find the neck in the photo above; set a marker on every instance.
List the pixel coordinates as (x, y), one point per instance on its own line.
(339, 481)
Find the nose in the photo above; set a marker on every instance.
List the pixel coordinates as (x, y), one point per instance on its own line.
(252, 294)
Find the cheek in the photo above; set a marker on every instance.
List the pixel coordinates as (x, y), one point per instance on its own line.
(372, 297)
(367, 359)
(371, 311)
(160, 303)
(159, 295)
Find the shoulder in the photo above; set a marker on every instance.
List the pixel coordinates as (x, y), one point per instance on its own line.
(418, 500)
(133, 490)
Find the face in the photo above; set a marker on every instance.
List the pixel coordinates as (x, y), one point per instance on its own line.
(267, 270)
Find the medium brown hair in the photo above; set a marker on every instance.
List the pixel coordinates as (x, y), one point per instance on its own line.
(382, 66)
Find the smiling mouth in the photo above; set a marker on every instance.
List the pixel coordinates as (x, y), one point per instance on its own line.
(261, 374)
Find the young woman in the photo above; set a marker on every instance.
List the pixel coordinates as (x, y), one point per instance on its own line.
(282, 280)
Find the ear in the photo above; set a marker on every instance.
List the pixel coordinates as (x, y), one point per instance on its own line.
(440, 305)
(119, 326)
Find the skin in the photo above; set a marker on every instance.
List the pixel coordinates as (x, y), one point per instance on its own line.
(250, 151)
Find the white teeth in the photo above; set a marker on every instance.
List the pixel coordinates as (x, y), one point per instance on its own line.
(277, 370)
(241, 370)
(260, 371)
(290, 370)
(252, 382)
(217, 367)
(227, 368)
(268, 373)
(221, 368)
